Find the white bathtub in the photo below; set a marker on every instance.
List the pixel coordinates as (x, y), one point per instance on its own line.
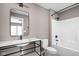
(64, 51)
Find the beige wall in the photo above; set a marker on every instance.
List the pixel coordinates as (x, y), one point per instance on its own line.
(38, 18)
(71, 13)
(0, 21)
(52, 18)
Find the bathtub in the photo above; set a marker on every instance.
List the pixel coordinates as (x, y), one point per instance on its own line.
(64, 51)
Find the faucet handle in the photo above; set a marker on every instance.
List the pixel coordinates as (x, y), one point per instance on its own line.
(56, 36)
(57, 40)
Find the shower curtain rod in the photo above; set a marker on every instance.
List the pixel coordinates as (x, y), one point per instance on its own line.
(67, 8)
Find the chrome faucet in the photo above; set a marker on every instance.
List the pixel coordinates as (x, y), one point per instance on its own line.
(20, 37)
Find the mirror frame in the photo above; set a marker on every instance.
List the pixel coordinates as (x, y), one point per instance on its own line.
(10, 23)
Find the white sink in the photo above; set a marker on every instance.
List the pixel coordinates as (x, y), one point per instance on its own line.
(23, 44)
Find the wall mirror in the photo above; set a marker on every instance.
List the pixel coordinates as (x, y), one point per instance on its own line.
(19, 23)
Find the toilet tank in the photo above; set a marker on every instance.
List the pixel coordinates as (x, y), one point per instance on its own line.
(44, 43)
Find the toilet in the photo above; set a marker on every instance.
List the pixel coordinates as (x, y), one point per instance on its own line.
(48, 50)
(51, 51)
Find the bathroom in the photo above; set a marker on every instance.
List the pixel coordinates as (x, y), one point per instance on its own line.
(52, 26)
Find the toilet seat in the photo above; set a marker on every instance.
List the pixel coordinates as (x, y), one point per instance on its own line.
(51, 50)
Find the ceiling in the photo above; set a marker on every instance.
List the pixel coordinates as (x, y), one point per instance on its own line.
(55, 6)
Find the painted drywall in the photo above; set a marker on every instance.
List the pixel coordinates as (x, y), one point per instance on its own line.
(71, 13)
(1, 13)
(51, 18)
(38, 20)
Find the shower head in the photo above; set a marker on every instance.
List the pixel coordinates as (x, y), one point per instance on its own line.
(57, 18)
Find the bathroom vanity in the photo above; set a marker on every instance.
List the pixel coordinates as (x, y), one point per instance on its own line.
(20, 43)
